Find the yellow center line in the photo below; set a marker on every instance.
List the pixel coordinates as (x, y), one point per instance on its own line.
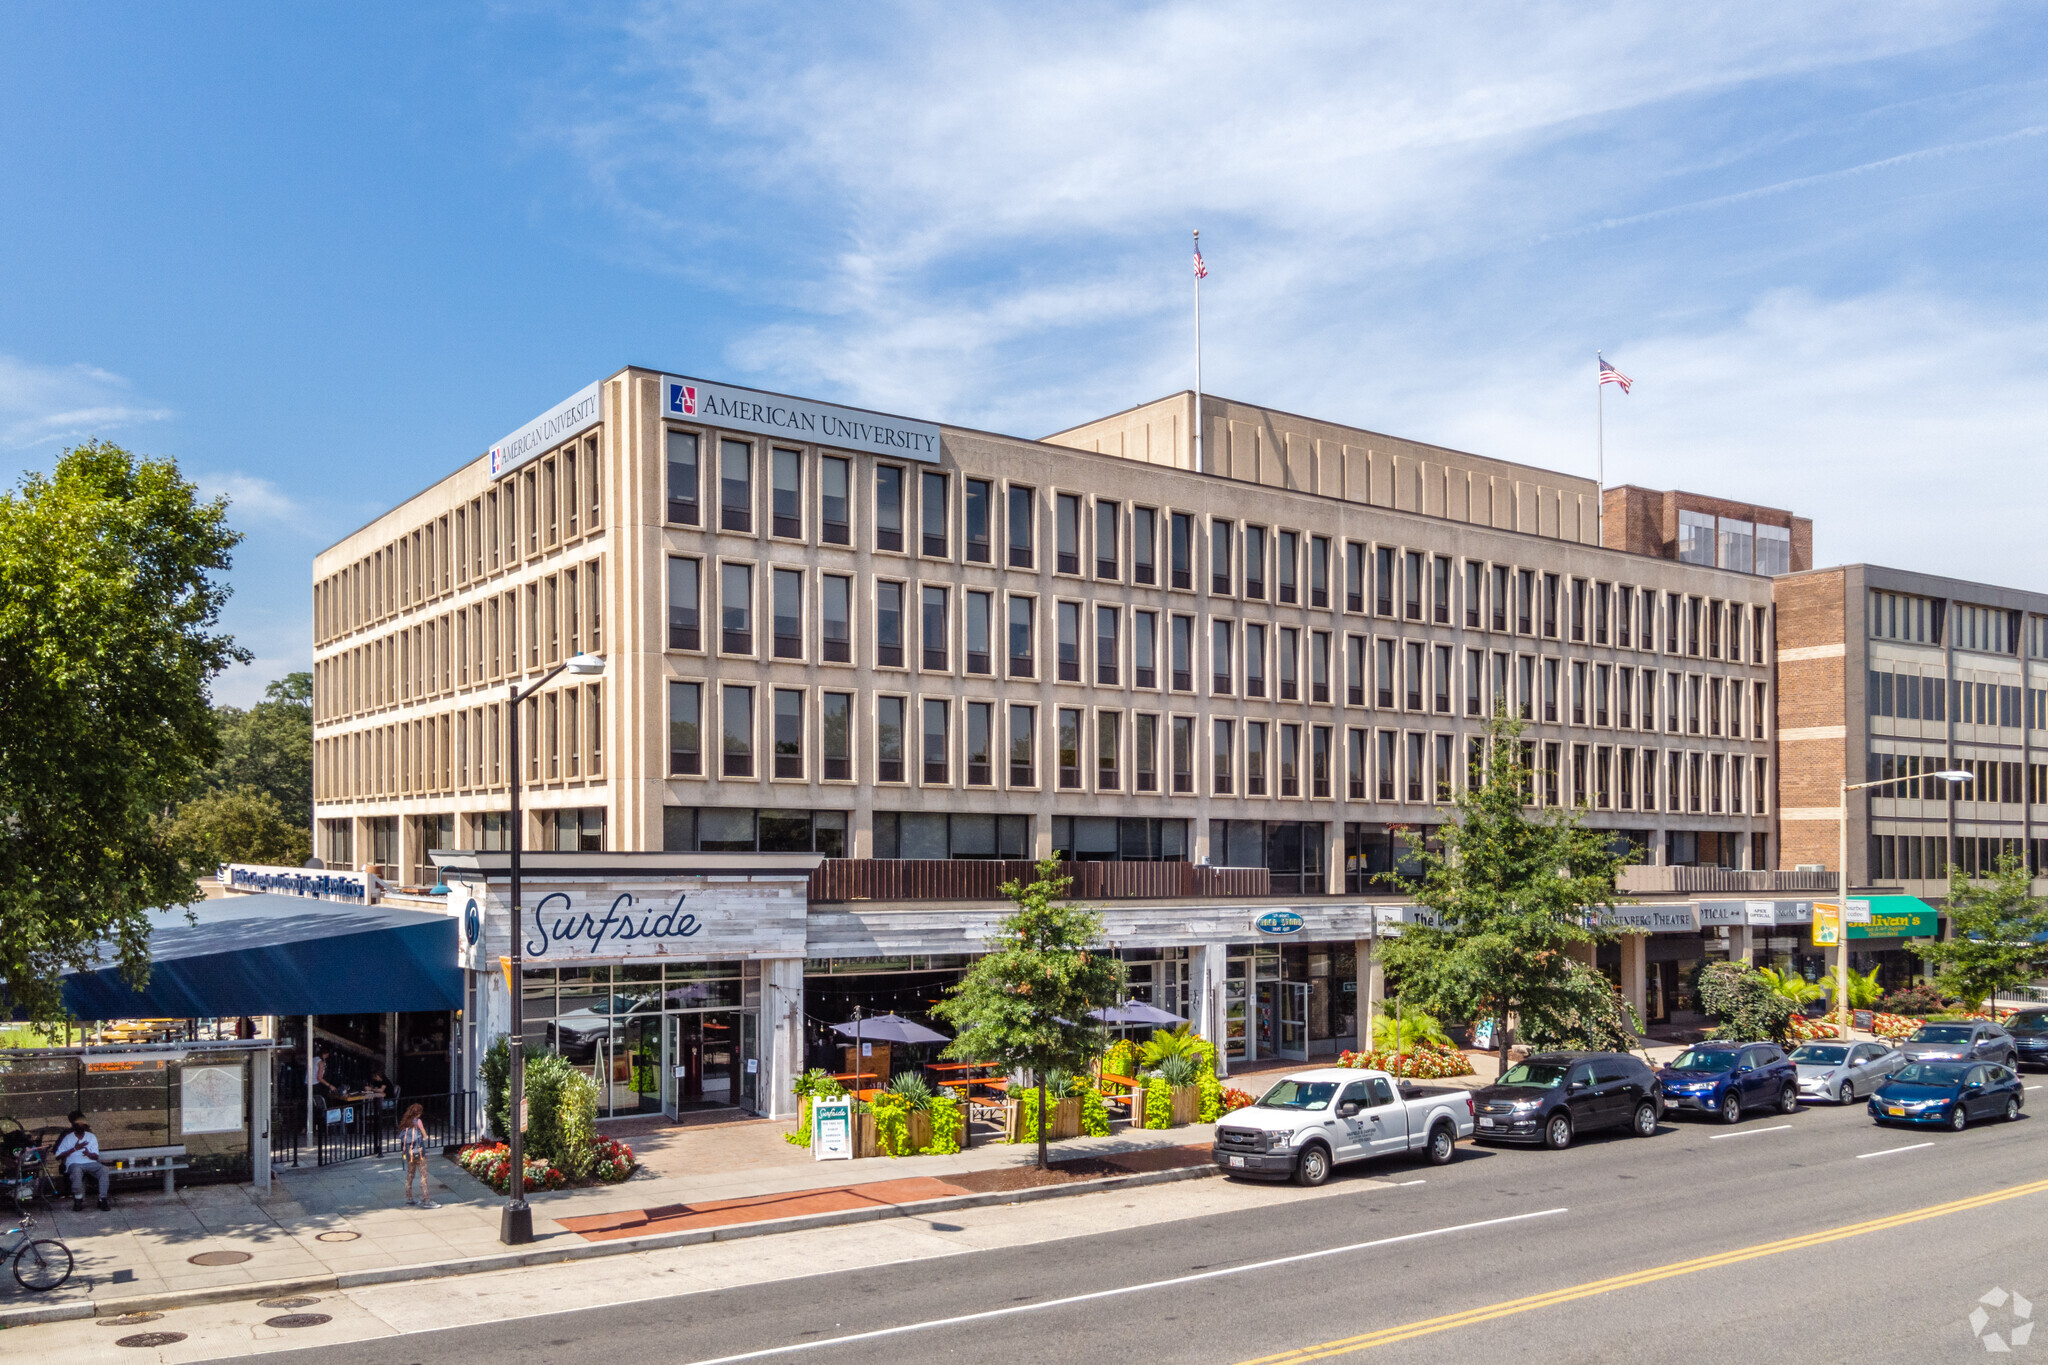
(1471, 1316)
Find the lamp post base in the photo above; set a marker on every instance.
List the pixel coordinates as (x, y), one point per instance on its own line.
(515, 1224)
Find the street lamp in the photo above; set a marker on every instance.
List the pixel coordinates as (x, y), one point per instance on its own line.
(1951, 776)
(515, 1222)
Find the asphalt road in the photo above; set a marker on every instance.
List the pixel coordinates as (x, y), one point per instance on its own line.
(1702, 1243)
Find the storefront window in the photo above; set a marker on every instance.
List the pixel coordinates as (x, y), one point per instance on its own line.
(1109, 839)
(923, 835)
(728, 829)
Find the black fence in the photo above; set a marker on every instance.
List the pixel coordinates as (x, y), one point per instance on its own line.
(351, 1129)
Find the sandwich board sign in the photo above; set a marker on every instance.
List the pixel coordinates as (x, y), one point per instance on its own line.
(832, 1129)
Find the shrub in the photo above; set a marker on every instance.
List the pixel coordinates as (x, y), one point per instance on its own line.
(497, 1070)
(1403, 1030)
(491, 1162)
(945, 1125)
(1169, 1043)
(1121, 1059)
(892, 1124)
(1425, 1063)
(1748, 1008)
(1918, 998)
(1158, 1103)
(1211, 1107)
(613, 1160)
(913, 1089)
(547, 1076)
(576, 1126)
(1180, 1070)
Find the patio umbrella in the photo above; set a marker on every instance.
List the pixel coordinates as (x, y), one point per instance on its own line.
(1135, 1012)
(889, 1028)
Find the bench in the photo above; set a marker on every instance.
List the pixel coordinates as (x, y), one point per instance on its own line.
(149, 1161)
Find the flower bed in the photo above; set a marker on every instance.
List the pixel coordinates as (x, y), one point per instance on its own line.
(491, 1162)
(1424, 1061)
(1233, 1098)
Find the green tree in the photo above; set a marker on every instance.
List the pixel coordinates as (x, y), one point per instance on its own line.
(1026, 1003)
(269, 747)
(241, 825)
(110, 603)
(1999, 934)
(1750, 1008)
(1510, 896)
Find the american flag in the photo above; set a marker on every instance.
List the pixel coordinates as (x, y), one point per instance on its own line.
(1201, 271)
(1610, 375)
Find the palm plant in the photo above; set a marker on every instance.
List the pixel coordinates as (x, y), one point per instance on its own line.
(1180, 1070)
(1404, 1030)
(1791, 985)
(1864, 992)
(913, 1089)
(1165, 1043)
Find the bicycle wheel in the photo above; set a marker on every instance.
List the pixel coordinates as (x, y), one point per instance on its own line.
(42, 1265)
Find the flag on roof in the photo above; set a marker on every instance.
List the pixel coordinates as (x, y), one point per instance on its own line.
(1610, 375)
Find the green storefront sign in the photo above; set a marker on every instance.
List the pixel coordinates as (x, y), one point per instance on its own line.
(1897, 917)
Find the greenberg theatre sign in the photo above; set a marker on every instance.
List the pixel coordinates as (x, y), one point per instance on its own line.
(797, 419)
(598, 920)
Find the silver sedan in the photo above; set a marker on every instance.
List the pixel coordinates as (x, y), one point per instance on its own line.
(1844, 1072)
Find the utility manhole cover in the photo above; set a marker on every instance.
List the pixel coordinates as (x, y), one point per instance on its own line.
(130, 1320)
(336, 1236)
(297, 1320)
(301, 1302)
(151, 1340)
(219, 1258)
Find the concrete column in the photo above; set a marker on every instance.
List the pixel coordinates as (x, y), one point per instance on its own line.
(1741, 943)
(1634, 961)
(782, 1033)
(1334, 859)
(1207, 966)
(1372, 987)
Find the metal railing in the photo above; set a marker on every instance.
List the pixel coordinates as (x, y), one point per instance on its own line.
(840, 880)
(350, 1131)
(1645, 880)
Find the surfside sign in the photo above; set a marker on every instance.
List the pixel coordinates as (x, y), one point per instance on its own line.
(797, 419)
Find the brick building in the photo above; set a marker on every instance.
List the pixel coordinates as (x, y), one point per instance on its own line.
(1695, 529)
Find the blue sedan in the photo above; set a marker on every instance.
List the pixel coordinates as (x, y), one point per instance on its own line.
(1950, 1094)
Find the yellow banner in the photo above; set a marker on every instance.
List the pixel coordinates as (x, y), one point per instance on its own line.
(1827, 924)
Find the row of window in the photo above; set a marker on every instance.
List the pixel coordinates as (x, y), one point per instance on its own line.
(715, 730)
(1734, 543)
(1904, 696)
(1930, 857)
(552, 501)
(457, 751)
(1106, 540)
(1991, 779)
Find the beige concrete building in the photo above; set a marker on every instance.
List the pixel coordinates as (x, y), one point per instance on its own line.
(914, 651)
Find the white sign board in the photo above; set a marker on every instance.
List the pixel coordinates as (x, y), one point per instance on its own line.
(1763, 913)
(210, 1099)
(570, 417)
(832, 1129)
(296, 881)
(565, 921)
(798, 419)
(1859, 912)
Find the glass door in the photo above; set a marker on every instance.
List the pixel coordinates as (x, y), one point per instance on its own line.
(704, 1049)
(1266, 1033)
(1294, 1019)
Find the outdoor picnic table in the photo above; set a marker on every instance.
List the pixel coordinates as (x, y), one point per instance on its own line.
(849, 1076)
(958, 1066)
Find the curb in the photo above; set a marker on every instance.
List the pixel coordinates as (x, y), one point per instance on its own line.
(579, 1250)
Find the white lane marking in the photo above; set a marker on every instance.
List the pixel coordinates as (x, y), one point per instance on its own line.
(2033, 1087)
(1411, 1182)
(1751, 1132)
(1865, 1156)
(1116, 1293)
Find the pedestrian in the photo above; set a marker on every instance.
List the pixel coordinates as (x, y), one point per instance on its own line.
(78, 1152)
(412, 1144)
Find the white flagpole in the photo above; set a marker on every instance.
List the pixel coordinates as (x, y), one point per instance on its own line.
(1198, 356)
(1600, 476)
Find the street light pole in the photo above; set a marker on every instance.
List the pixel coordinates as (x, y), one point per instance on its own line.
(515, 1220)
(1950, 776)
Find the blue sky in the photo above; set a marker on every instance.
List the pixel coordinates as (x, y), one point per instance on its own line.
(322, 255)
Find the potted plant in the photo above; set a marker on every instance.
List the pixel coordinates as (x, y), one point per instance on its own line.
(1182, 1075)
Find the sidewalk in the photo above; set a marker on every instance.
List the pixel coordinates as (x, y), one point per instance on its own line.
(348, 1224)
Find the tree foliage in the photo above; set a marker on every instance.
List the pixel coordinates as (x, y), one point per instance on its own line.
(1025, 1005)
(1511, 896)
(110, 603)
(1749, 1007)
(269, 748)
(240, 825)
(1999, 936)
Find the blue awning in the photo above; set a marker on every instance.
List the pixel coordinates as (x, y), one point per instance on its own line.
(272, 954)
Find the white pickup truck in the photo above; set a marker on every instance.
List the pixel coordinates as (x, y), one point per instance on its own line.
(1313, 1121)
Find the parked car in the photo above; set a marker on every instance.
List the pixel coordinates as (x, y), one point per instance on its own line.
(1730, 1079)
(1552, 1097)
(1314, 1121)
(1976, 1041)
(2029, 1030)
(1949, 1093)
(1843, 1072)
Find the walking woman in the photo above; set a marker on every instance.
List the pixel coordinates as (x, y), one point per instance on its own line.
(412, 1143)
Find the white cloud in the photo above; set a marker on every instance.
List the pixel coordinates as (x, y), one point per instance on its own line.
(41, 404)
(249, 498)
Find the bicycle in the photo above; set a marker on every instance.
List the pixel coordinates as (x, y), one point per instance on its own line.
(40, 1263)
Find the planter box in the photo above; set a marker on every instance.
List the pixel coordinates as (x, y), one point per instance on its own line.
(1187, 1102)
(1066, 1119)
(920, 1121)
(864, 1136)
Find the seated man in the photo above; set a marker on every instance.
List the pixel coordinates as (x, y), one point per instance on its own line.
(78, 1152)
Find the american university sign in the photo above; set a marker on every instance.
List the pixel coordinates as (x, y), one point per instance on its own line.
(797, 419)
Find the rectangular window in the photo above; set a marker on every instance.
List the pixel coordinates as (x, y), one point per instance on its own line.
(1354, 670)
(1624, 609)
(1440, 590)
(1319, 571)
(888, 507)
(1441, 693)
(1550, 690)
(889, 723)
(1500, 597)
(978, 495)
(787, 494)
(1411, 585)
(1550, 605)
(685, 729)
(1108, 751)
(835, 500)
(1145, 649)
(1183, 549)
(1219, 658)
(789, 732)
(682, 479)
(1106, 549)
(1354, 577)
(736, 608)
(935, 749)
(735, 486)
(1067, 616)
(838, 736)
(1578, 693)
(1107, 647)
(1413, 667)
(1319, 667)
(1355, 777)
(1221, 749)
(1475, 683)
(1415, 774)
(1290, 760)
(1221, 535)
(1183, 653)
(1475, 583)
(888, 624)
(1022, 610)
(931, 630)
(980, 742)
(789, 613)
(1066, 528)
(1383, 764)
(933, 515)
(980, 606)
(1022, 540)
(1383, 673)
(1255, 758)
(1183, 754)
(1144, 545)
(1602, 677)
(1525, 601)
(739, 732)
(1145, 753)
(1070, 748)
(1525, 686)
(1319, 762)
(1255, 561)
(1255, 662)
(685, 596)
(1286, 551)
(836, 629)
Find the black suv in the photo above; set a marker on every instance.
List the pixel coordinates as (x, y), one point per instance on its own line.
(2029, 1030)
(1552, 1097)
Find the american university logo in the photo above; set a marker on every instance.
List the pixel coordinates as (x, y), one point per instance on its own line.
(682, 400)
(2016, 1321)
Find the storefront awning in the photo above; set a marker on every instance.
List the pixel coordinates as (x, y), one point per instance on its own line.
(1897, 917)
(273, 954)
